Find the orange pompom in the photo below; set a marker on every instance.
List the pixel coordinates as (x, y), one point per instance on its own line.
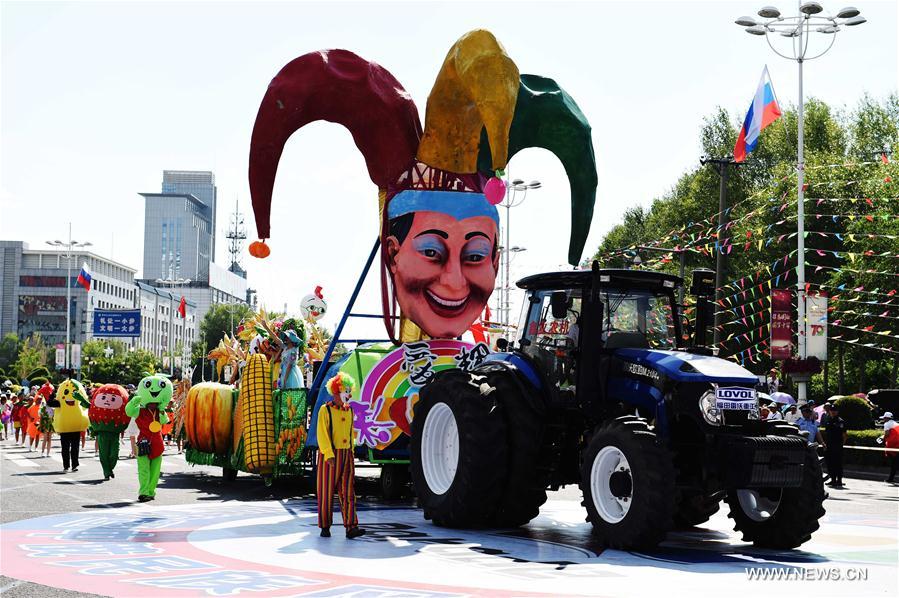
(259, 249)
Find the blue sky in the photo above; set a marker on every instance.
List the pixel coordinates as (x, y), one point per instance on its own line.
(97, 99)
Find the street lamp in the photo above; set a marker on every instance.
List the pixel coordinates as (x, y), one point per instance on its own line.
(172, 282)
(69, 246)
(512, 199)
(798, 29)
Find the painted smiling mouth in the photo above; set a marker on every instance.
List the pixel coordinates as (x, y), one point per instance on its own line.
(155, 394)
(448, 305)
(70, 403)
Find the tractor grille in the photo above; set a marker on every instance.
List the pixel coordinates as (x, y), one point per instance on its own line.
(766, 461)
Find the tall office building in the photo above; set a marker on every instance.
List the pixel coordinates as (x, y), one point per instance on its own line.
(179, 245)
(179, 227)
(200, 184)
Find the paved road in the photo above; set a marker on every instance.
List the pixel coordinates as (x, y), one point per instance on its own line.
(205, 536)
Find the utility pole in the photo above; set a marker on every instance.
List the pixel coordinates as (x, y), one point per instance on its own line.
(721, 165)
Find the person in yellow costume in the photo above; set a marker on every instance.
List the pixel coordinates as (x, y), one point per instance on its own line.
(335, 458)
(70, 420)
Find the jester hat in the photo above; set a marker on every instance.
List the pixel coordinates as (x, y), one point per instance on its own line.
(480, 112)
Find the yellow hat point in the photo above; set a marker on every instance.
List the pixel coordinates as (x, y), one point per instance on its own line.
(476, 88)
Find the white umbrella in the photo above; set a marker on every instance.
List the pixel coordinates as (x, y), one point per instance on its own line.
(783, 398)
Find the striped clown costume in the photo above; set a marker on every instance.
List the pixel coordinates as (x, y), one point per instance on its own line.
(335, 458)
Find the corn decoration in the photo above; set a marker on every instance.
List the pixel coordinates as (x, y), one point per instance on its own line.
(255, 404)
(291, 421)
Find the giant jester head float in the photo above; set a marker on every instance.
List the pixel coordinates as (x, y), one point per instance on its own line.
(107, 410)
(436, 188)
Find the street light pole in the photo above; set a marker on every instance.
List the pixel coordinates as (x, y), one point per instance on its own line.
(510, 202)
(171, 330)
(797, 28)
(69, 246)
(68, 297)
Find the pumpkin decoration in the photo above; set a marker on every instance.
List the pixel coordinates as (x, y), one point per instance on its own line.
(257, 414)
(207, 417)
(107, 410)
(259, 249)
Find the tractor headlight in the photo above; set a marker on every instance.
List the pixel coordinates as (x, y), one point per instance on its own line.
(710, 412)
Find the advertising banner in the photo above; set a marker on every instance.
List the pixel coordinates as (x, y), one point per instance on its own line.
(75, 348)
(60, 355)
(781, 324)
(117, 322)
(816, 322)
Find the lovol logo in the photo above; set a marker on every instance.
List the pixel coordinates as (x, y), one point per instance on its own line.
(735, 394)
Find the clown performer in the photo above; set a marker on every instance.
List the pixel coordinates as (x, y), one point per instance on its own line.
(108, 421)
(335, 458)
(70, 420)
(293, 338)
(147, 406)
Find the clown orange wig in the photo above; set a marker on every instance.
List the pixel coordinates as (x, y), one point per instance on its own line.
(342, 382)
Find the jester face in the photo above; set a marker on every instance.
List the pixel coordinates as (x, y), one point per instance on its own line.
(154, 389)
(443, 263)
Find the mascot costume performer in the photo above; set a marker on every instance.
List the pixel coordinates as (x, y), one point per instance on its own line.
(70, 420)
(108, 421)
(147, 406)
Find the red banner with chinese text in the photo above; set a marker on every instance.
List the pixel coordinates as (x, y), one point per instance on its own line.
(781, 324)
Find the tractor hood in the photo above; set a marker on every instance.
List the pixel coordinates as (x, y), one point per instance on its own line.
(681, 366)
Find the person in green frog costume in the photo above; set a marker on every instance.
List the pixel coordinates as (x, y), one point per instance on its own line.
(147, 407)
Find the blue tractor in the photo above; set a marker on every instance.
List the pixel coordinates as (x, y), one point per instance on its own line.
(602, 389)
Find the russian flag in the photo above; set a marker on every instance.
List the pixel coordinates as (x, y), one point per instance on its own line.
(84, 278)
(762, 112)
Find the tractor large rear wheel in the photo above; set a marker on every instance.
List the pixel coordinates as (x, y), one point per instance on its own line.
(458, 452)
(524, 412)
(627, 478)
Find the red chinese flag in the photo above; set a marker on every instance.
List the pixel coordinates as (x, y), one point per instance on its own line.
(182, 307)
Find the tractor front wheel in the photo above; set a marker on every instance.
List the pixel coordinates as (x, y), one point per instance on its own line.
(458, 452)
(781, 517)
(627, 479)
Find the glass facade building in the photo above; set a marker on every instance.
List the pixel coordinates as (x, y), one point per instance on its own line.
(200, 184)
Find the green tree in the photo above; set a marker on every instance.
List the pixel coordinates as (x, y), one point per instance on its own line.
(9, 350)
(221, 319)
(121, 366)
(852, 228)
(32, 355)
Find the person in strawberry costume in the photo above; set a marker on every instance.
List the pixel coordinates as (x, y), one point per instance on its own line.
(108, 420)
(147, 406)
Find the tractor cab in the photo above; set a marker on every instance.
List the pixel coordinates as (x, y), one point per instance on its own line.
(571, 322)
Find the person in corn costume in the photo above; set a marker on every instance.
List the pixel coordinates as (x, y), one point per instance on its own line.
(147, 406)
(335, 458)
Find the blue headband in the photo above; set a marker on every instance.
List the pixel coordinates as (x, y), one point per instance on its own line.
(457, 204)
